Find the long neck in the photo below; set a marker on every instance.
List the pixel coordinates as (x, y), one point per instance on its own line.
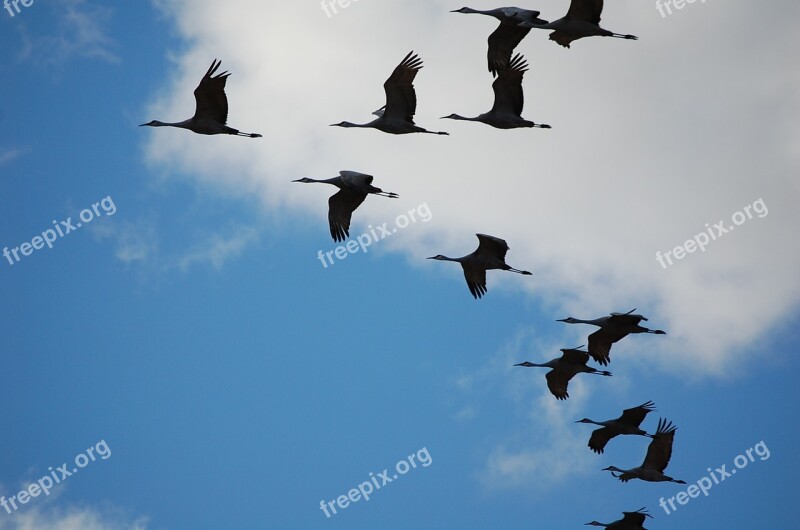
(463, 118)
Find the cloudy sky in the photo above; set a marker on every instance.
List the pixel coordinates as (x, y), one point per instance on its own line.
(189, 327)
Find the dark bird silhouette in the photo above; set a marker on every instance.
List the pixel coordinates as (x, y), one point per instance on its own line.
(613, 328)
(211, 110)
(508, 99)
(582, 20)
(353, 189)
(628, 423)
(508, 34)
(630, 521)
(490, 255)
(397, 116)
(659, 453)
(572, 362)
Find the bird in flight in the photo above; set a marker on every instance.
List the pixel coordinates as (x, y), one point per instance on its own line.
(571, 363)
(628, 423)
(211, 110)
(397, 116)
(490, 255)
(508, 99)
(582, 20)
(659, 453)
(353, 189)
(613, 328)
(508, 34)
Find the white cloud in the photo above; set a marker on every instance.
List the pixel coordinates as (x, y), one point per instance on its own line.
(69, 519)
(651, 140)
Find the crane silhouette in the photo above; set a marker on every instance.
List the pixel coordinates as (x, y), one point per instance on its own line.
(211, 107)
(571, 363)
(508, 99)
(397, 116)
(582, 20)
(659, 453)
(490, 255)
(508, 34)
(353, 189)
(628, 423)
(613, 328)
(630, 521)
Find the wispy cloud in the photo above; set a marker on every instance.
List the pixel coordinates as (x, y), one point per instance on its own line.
(80, 32)
(69, 519)
(7, 155)
(138, 244)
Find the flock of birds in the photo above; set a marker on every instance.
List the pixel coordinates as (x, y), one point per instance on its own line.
(397, 117)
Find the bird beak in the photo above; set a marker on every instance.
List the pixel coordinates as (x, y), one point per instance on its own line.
(432, 257)
(142, 125)
(561, 320)
(298, 180)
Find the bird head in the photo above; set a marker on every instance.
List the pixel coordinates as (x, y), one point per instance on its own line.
(612, 469)
(304, 179)
(438, 257)
(584, 420)
(594, 523)
(463, 10)
(154, 123)
(527, 364)
(343, 124)
(452, 117)
(568, 320)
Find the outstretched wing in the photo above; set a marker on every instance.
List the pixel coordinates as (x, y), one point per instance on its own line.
(660, 450)
(635, 416)
(341, 206)
(476, 280)
(557, 381)
(599, 439)
(635, 519)
(600, 344)
(210, 100)
(508, 95)
(589, 10)
(502, 43)
(401, 99)
(491, 246)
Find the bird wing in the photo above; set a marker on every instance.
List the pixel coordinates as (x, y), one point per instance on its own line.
(600, 344)
(557, 381)
(491, 246)
(562, 38)
(660, 450)
(354, 179)
(635, 416)
(476, 280)
(573, 356)
(502, 42)
(634, 519)
(508, 95)
(625, 319)
(599, 439)
(341, 206)
(210, 100)
(401, 99)
(589, 10)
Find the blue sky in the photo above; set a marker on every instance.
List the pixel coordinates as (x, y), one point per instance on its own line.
(237, 382)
